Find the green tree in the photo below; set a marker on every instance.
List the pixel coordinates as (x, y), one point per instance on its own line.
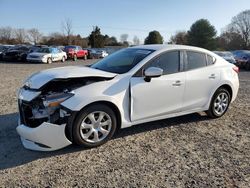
(96, 39)
(154, 37)
(202, 34)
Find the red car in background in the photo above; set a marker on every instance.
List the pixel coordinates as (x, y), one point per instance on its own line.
(75, 52)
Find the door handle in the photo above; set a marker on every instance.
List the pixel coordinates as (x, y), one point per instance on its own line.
(212, 76)
(177, 83)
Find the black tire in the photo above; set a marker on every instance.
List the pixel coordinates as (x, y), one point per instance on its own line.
(49, 60)
(85, 57)
(23, 57)
(76, 131)
(74, 57)
(212, 112)
(248, 66)
(63, 59)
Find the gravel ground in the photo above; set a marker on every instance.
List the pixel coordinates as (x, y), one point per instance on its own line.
(189, 151)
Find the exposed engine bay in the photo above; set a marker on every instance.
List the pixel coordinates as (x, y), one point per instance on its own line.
(46, 107)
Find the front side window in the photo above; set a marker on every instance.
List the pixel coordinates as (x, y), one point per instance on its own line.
(169, 62)
(195, 60)
(122, 61)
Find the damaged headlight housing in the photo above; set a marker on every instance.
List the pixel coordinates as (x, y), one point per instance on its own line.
(56, 99)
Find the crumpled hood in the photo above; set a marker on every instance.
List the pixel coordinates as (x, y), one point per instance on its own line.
(38, 79)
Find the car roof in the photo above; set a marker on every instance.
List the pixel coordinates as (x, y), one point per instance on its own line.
(159, 47)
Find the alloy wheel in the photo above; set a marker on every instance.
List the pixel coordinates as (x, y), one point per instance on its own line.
(95, 127)
(221, 103)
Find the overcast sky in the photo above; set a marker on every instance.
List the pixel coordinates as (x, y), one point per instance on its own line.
(116, 17)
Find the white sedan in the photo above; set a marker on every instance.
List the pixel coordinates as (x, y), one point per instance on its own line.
(86, 105)
(47, 55)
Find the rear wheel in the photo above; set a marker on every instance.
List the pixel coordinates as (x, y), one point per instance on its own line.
(94, 126)
(63, 59)
(219, 103)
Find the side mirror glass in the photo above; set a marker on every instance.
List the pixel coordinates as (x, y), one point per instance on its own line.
(152, 72)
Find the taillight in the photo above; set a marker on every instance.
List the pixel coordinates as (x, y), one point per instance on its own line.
(236, 69)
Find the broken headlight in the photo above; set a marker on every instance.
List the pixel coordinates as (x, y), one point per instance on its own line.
(49, 108)
(56, 99)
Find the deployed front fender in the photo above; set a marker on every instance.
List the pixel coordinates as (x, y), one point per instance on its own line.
(115, 91)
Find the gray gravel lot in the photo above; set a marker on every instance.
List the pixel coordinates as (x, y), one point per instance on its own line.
(189, 151)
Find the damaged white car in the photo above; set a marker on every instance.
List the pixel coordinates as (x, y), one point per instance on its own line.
(86, 105)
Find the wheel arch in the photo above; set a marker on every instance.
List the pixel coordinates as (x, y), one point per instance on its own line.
(224, 85)
(112, 106)
(69, 127)
(228, 88)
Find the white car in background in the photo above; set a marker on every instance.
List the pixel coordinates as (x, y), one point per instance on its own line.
(47, 55)
(86, 105)
(101, 53)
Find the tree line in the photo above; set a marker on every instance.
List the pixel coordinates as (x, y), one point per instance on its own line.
(236, 35)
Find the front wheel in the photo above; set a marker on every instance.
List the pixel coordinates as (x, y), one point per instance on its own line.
(49, 60)
(219, 103)
(94, 126)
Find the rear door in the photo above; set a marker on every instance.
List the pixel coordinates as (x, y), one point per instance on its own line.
(202, 78)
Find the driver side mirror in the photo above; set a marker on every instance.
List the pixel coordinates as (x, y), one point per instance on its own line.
(152, 72)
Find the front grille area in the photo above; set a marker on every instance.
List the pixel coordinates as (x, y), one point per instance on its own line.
(33, 56)
(26, 116)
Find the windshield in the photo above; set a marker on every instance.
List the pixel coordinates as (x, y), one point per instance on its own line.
(69, 47)
(44, 50)
(122, 61)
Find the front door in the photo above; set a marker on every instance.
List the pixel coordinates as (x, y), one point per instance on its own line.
(161, 96)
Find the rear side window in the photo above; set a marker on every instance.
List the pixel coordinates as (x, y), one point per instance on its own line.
(195, 60)
(210, 60)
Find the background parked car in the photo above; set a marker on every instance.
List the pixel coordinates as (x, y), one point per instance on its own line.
(226, 55)
(17, 53)
(91, 53)
(47, 55)
(4, 48)
(75, 52)
(242, 58)
(246, 61)
(96, 53)
(101, 53)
